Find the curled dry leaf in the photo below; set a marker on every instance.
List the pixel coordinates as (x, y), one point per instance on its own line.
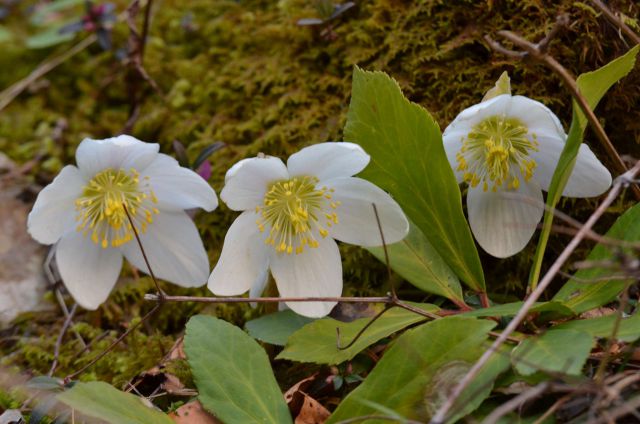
(306, 409)
(193, 413)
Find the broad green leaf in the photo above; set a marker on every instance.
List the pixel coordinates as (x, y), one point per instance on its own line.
(503, 86)
(415, 260)
(277, 327)
(317, 342)
(594, 287)
(562, 351)
(104, 402)
(511, 309)
(232, 373)
(408, 160)
(48, 38)
(413, 376)
(628, 329)
(592, 85)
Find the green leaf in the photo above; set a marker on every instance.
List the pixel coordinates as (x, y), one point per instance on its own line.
(511, 309)
(592, 85)
(316, 342)
(415, 260)
(49, 11)
(5, 34)
(48, 38)
(104, 402)
(562, 351)
(414, 376)
(503, 86)
(232, 373)
(628, 330)
(408, 160)
(277, 327)
(594, 287)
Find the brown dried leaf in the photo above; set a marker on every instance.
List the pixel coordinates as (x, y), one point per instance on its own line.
(312, 412)
(193, 413)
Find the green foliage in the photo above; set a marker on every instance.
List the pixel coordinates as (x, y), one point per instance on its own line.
(511, 309)
(412, 376)
(232, 373)
(103, 401)
(596, 286)
(592, 85)
(408, 160)
(603, 327)
(276, 328)
(563, 351)
(317, 341)
(415, 260)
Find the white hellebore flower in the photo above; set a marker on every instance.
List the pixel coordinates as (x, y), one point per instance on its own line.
(506, 149)
(291, 216)
(82, 211)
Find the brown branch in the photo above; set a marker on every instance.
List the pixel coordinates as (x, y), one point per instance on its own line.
(63, 330)
(616, 21)
(515, 403)
(538, 52)
(443, 411)
(144, 254)
(73, 375)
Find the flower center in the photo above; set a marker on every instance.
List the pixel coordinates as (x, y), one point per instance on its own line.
(292, 211)
(494, 150)
(101, 207)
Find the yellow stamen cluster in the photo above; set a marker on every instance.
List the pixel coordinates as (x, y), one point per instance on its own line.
(494, 150)
(292, 212)
(101, 211)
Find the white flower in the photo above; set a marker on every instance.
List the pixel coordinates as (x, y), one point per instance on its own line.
(82, 211)
(507, 149)
(292, 214)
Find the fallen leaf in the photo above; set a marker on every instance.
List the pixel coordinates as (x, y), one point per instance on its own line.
(193, 413)
(312, 412)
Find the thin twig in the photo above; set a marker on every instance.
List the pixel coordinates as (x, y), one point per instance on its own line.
(204, 299)
(441, 414)
(73, 375)
(144, 254)
(63, 330)
(612, 416)
(535, 52)
(515, 403)
(145, 29)
(616, 21)
(394, 295)
(13, 91)
(362, 330)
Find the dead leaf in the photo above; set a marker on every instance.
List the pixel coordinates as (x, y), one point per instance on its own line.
(193, 413)
(312, 412)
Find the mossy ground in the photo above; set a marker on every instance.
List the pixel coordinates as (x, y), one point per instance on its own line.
(243, 72)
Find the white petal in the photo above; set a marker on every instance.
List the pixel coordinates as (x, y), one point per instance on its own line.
(328, 160)
(247, 181)
(316, 272)
(122, 152)
(179, 188)
(504, 222)
(88, 271)
(589, 177)
(452, 144)
(468, 118)
(538, 118)
(174, 249)
(54, 211)
(244, 260)
(356, 218)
